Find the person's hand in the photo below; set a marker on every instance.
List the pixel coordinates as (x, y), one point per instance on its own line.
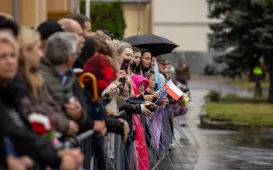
(126, 130)
(120, 73)
(148, 97)
(146, 111)
(148, 102)
(109, 112)
(64, 152)
(103, 131)
(163, 101)
(26, 160)
(73, 128)
(68, 160)
(71, 159)
(99, 126)
(79, 157)
(74, 109)
(14, 163)
(113, 91)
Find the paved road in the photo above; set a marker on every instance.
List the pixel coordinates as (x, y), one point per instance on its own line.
(213, 149)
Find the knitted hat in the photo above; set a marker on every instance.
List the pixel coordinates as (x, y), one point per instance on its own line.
(49, 27)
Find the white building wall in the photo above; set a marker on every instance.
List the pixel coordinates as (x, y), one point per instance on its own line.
(184, 22)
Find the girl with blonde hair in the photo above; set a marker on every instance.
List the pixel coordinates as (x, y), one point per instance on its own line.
(38, 99)
(121, 51)
(30, 56)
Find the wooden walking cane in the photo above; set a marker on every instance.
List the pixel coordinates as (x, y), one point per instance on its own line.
(94, 84)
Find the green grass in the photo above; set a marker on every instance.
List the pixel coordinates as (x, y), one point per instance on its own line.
(253, 114)
(245, 84)
(233, 98)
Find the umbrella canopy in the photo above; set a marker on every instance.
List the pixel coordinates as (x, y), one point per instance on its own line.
(156, 44)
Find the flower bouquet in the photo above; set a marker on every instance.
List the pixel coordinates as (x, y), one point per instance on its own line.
(179, 108)
(41, 125)
(184, 99)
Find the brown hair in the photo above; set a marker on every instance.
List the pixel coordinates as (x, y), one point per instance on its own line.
(100, 34)
(135, 49)
(102, 47)
(81, 19)
(140, 68)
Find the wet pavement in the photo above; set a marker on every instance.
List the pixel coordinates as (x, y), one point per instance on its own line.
(212, 149)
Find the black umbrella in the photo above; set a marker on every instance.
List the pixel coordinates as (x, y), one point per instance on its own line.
(156, 44)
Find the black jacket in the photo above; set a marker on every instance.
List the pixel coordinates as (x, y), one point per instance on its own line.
(130, 108)
(114, 125)
(14, 125)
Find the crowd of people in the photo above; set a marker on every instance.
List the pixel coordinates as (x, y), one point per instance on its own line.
(47, 95)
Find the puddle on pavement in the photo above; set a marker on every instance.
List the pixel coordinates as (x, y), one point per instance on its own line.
(236, 151)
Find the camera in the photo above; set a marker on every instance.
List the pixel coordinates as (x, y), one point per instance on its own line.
(151, 107)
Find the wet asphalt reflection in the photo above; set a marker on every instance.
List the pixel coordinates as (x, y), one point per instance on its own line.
(202, 149)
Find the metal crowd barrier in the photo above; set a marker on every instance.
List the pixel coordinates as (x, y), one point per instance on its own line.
(119, 156)
(85, 142)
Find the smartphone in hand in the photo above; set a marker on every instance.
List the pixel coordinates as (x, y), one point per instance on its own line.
(122, 80)
(125, 65)
(154, 99)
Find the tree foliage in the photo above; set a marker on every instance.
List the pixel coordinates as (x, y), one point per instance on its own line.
(107, 15)
(245, 33)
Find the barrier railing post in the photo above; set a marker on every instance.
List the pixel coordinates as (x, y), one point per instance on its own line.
(85, 141)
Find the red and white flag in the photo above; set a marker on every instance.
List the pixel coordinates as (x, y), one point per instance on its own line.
(172, 90)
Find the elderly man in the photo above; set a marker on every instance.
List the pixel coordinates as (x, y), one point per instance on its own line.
(61, 53)
(71, 25)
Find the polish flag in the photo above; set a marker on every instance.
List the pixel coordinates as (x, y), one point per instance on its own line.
(172, 90)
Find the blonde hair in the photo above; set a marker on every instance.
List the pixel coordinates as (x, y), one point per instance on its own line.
(5, 37)
(117, 48)
(27, 39)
